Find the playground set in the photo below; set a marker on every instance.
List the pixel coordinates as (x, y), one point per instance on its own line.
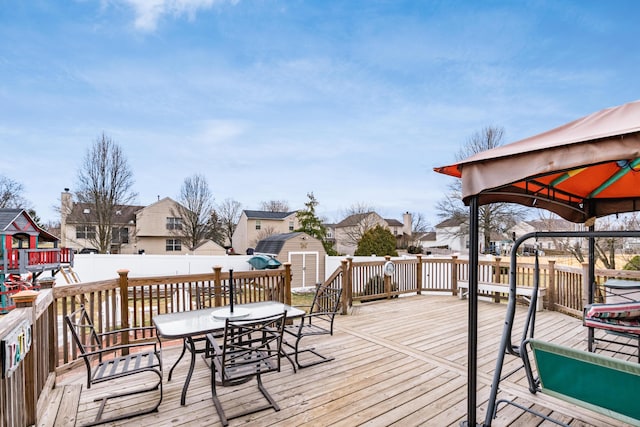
(26, 251)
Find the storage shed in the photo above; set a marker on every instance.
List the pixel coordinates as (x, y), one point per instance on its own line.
(305, 253)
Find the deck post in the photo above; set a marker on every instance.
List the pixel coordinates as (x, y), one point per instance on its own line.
(454, 275)
(586, 286)
(346, 284)
(286, 298)
(387, 280)
(496, 278)
(124, 307)
(419, 274)
(551, 285)
(217, 286)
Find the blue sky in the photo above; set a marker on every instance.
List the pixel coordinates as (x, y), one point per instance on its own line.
(355, 100)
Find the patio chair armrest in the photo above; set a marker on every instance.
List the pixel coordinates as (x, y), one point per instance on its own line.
(119, 331)
(116, 348)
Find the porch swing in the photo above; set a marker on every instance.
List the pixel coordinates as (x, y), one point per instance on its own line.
(581, 171)
(583, 378)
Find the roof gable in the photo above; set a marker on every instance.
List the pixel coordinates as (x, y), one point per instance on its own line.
(14, 221)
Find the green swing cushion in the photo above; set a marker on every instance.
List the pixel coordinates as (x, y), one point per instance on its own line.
(600, 383)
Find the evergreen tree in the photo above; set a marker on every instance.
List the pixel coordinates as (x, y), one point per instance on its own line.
(312, 225)
(378, 241)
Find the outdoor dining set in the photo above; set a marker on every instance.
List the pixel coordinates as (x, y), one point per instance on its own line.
(238, 342)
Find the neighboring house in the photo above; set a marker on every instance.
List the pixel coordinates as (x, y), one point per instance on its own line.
(158, 231)
(451, 234)
(350, 230)
(78, 224)
(254, 226)
(426, 240)
(545, 243)
(305, 253)
(153, 229)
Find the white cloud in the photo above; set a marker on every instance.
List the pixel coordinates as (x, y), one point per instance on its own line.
(148, 12)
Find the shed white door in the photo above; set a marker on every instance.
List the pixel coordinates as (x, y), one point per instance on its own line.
(305, 269)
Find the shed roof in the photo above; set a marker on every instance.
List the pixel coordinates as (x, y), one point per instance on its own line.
(274, 243)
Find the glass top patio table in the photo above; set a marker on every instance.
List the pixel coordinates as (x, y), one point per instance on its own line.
(184, 324)
(189, 324)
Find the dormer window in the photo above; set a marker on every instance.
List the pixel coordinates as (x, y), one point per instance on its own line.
(118, 212)
(86, 210)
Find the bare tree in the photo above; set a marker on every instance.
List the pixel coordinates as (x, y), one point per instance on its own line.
(419, 223)
(265, 232)
(195, 210)
(607, 249)
(359, 218)
(11, 194)
(275, 206)
(228, 213)
(419, 226)
(492, 218)
(104, 183)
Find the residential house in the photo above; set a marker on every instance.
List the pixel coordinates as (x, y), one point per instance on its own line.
(544, 243)
(349, 231)
(451, 234)
(153, 229)
(254, 226)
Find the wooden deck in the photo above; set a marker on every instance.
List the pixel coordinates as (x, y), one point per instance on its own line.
(399, 362)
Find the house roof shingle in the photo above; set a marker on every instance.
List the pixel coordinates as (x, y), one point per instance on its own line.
(268, 215)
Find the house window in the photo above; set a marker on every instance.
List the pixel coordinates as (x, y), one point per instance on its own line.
(85, 232)
(174, 223)
(291, 225)
(258, 224)
(119, 235)
(174, 245)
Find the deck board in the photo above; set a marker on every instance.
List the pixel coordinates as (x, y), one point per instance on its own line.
(399, 362)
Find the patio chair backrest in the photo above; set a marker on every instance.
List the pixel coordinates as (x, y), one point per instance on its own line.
(251, 347)
(326, 300)
(82, 330)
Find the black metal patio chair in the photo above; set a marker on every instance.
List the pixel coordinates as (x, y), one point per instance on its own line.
(250, 348)
(319, 321)
(113, 363)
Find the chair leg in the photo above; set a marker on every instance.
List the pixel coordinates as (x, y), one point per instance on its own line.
(216, 401)
(288, 356)
(99, 420)
(320, 358)
(224, 419)
(266, 394)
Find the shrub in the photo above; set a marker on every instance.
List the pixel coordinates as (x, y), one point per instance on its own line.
(375, 286)
(633, 264)
(414, 249)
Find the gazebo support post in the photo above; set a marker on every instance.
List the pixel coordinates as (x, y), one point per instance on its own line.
(472, 346)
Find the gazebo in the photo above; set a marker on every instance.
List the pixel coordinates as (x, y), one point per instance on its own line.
(582, 170)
